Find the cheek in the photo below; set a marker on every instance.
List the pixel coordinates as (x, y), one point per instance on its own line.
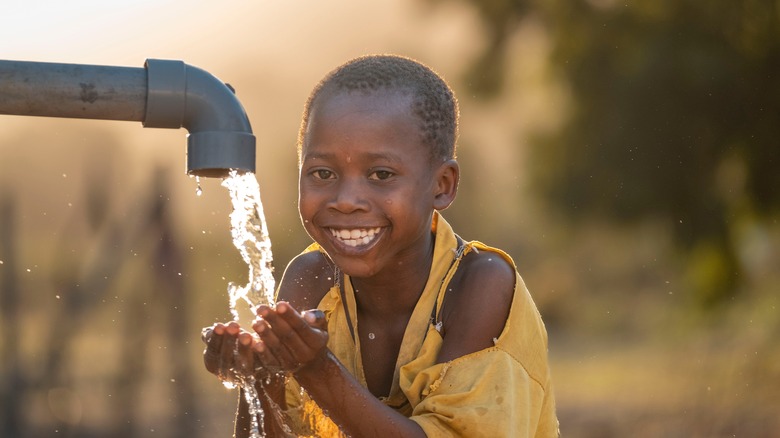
(304, 206)
(306, 214)
(309, 205)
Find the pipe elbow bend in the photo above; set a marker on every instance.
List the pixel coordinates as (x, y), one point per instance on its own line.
(220, 135)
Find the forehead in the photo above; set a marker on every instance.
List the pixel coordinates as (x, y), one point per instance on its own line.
(375, 104)
(375, 120)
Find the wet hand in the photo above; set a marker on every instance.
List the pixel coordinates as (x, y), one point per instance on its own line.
(289, 341)
(228, 354)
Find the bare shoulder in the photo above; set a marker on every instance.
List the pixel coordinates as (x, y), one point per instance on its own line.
(307, 279)
(477, 304)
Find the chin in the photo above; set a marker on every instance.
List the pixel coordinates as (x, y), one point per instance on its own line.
(357, 268)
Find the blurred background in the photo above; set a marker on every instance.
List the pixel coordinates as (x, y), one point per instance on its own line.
(624, 153)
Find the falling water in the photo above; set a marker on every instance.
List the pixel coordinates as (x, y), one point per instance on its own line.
(199, 190)
(250, 236)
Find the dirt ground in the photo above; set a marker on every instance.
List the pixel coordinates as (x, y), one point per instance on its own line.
(703, 386)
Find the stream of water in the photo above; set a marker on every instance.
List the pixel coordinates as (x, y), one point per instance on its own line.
(250, 236)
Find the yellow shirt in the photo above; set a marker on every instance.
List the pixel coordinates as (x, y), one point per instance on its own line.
(501, 391)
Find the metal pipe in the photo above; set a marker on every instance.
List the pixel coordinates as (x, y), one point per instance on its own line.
(163, 94)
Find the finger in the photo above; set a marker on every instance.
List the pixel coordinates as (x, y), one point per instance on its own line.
(213, 336)
(315, 318)
(206, 333)
(286, 324)
(244, 355)
(264, 354)
(263, 309)
(304, 342)
(310, 338)
(233, 328)
(224, 360)
(277, 337)
(212, 355)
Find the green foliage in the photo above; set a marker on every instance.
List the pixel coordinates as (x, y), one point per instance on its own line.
(487, 75)
(663, 95)
(672, 118)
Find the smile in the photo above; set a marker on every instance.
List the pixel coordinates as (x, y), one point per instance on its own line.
(355, 237)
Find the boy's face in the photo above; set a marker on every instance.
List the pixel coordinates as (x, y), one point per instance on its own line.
(367, 186)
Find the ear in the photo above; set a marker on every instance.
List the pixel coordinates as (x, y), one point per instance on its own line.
(447, 177)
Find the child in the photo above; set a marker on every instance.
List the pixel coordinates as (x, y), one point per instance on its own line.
(417, 332)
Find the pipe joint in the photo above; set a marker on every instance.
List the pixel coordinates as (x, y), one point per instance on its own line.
(220, 139)
(166, 87)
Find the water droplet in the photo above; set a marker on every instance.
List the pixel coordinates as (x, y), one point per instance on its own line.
(199, 189)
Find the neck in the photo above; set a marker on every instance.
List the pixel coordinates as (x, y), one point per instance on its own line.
(395, 292)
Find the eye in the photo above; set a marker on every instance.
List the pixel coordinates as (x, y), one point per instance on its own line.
(379, 175)
(322, 174)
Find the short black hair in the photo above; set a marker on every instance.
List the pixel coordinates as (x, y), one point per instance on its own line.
(433, 101)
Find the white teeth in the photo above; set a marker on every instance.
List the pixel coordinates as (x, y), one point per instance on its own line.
(355, 237)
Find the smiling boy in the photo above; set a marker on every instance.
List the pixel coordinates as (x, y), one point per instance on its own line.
(421, 333)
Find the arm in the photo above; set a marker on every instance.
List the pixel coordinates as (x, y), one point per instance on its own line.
(292, 288)
(303, 352)
(221, 360)
(477, 305)
(289, 342)
(495, 382)
(472, 322)
(351, 406)
(222, 339)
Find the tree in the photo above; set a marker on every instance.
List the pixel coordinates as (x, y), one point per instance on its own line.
(673, 118)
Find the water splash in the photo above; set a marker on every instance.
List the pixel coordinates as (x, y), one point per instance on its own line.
(250, 237)
(199, 189)
(256, 414)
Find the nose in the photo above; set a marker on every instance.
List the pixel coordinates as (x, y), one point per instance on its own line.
(350, 195)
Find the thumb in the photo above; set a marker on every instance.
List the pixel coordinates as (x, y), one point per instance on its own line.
(316, 319)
